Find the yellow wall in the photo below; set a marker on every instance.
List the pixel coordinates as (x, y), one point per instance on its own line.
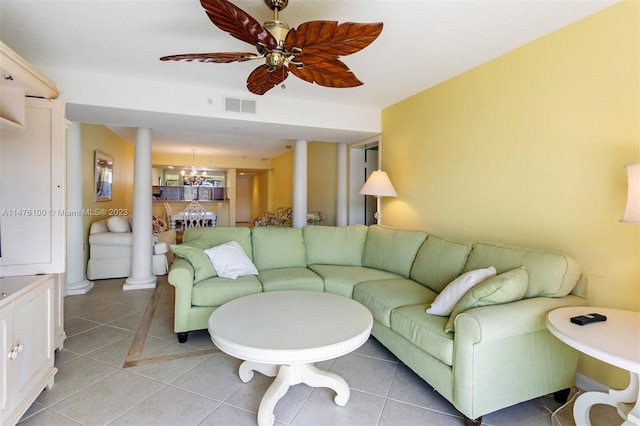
(259, 194)
(322, 179)
(529, 150)
(98, 137)
(283, 180)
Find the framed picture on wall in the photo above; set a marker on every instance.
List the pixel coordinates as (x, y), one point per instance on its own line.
(103, 177)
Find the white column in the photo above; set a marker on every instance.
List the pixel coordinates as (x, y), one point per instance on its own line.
(341, 190)
(76, 278)
(233, 187)
(142, 247)
(300, 184)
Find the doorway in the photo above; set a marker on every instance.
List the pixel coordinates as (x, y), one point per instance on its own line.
(363, 159)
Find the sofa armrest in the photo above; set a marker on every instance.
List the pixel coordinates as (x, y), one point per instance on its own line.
(505, 353)
(490, 323)
(181, 277)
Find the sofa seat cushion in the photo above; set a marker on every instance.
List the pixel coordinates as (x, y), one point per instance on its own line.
(290, 279)
(391, 250)
(341, 279)
(381, 297)
(217, 291)
(113, 239)
(334, 245)
(425, 331)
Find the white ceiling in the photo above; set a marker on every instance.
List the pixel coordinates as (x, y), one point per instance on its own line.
(422, 44)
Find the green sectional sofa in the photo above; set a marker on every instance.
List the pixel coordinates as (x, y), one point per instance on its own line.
(492, 352)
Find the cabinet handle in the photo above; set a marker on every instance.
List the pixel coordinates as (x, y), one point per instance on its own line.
(17, 350)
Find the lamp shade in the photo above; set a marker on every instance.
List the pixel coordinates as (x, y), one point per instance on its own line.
(632, 211)
(378, 184)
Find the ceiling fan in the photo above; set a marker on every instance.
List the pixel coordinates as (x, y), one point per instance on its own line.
(310, 52)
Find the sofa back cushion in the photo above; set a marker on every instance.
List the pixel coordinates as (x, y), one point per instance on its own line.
(550, 274)
(439, 262)
(118, 224)
(391, 250)
(220, 235)
(278, 248)
(334, 245)
(99, 226)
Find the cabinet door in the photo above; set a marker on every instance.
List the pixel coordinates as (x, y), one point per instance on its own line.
(33, 328)
(5, 348)
(32, 219)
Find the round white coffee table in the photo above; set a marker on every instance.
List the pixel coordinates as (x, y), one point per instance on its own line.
(282, 333)
(615, 341)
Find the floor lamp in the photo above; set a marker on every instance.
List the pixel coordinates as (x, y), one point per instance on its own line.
(632, 210)
(378, 185)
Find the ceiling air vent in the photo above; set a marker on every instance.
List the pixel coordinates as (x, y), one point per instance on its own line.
(240, 105)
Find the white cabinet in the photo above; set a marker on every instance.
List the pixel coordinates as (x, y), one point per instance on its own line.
(26, 341)
(32, 191)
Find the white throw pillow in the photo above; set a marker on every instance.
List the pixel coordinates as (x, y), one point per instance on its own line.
(118, 224)
(230, 261)
(453, 292)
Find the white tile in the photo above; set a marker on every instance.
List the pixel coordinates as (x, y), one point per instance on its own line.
(320, 409)
(396, 413)
(94, 339)
(48, 418)
(365, 373)
(216, 377)
(170, 406)
(408, 387)
(107, 399)
(226, 415)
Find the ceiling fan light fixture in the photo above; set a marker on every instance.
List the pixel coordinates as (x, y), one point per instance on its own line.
(311, 51)
(275, 60)
(276, 4)
(278, 30)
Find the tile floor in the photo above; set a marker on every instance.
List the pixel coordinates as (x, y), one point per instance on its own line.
(193, 384)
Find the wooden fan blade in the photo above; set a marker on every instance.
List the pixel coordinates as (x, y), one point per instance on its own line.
(262, 80)
(219, 58)
(328, 72)
(238, 23)
(328, 38)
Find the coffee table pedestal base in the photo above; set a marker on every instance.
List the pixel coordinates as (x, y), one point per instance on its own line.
(289, 375)
(627, 402)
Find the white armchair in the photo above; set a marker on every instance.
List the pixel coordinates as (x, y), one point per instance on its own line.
(110, 242)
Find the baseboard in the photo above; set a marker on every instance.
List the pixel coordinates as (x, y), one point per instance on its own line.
(587, 384)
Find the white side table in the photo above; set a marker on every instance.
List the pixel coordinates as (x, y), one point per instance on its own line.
(616, 342)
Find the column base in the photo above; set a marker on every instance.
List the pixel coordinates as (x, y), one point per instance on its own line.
(78, 288)
(140, 283)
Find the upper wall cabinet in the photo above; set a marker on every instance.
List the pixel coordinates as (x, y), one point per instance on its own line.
(17, 80)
